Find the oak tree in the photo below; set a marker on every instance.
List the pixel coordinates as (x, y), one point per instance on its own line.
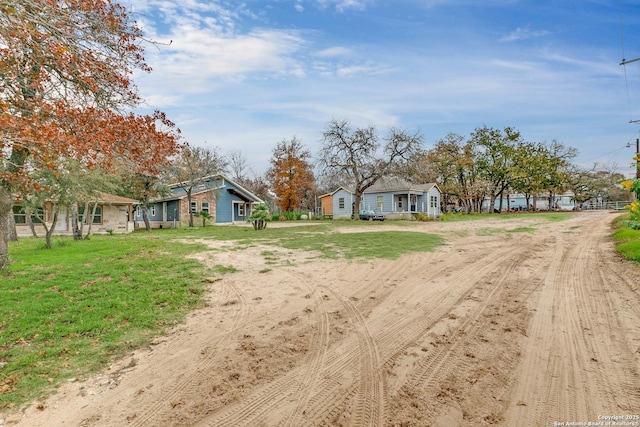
(360, 154)
(65, 73)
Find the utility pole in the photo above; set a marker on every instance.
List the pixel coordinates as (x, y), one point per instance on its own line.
(637, 158)
(623, 63)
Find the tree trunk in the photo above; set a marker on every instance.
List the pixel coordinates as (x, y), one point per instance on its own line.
(145, 212)
(16, 162)
(11, 227)
(93, 214)
(189, 208)
(76, 223)
(492, 203)
(6, 206)
(356, 206)
(48, 231)
(30, 222)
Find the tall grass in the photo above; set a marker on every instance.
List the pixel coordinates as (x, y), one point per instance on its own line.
(628, 239)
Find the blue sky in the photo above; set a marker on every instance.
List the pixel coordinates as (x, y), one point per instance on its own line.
(247, 74)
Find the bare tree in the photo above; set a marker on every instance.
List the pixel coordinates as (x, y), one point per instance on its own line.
(238, 166)
(194, 166)
(360, 154)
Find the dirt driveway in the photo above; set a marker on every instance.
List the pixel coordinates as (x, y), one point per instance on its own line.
(533, 328)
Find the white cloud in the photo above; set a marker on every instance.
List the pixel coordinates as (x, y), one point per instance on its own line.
(524, 34)
(345, 5)
(209, 49)
(334, 51)
(363, 69)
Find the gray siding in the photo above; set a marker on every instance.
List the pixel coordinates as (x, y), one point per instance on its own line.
(346, 210)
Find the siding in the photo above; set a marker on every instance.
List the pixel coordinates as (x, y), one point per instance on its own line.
(326, 203)
(227, 206)
(346, 211)
(370, 202)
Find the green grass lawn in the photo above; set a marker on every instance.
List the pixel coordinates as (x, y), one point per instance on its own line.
(70, 310)
(628, 240)
(506, 216)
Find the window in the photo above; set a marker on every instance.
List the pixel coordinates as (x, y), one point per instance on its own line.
(380, 202)
(205, 207)
(341, 203)
(194, 207)
(20, 216)
(434, 201)
(241, 209)
(97, 217)
(138, 212)
(152, 211)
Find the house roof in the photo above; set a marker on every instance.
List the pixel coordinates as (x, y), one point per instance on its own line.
(390, 185)
(386, 185)
(240, 191)
(116, 200)
(105, 198)
(246, 192)
(335, 191)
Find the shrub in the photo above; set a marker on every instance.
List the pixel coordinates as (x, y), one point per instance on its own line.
(259, 217)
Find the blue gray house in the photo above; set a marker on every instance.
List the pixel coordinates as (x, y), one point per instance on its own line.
(224, 200)
(394, 197)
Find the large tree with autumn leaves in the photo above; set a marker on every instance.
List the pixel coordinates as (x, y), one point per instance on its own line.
(291, 175)
(65, 78)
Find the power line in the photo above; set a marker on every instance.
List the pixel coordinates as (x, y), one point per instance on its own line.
(624, 62)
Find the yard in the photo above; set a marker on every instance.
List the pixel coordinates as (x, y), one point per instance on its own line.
(520, 322)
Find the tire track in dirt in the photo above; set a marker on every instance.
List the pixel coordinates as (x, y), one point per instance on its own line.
(369, 400)
(436, 305)
(433, 368)
(459, 332)
(317, 357)
(599, 308)
(292, 387)
(577, 364)
(152, 414)
(394, 332)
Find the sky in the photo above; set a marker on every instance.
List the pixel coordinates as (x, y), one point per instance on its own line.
(247, 74)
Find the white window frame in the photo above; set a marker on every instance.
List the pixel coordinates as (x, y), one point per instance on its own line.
(241, 209)
(341, 203)
(205, 206)
(194, 206)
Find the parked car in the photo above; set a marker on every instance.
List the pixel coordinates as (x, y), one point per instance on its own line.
(371, 216)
